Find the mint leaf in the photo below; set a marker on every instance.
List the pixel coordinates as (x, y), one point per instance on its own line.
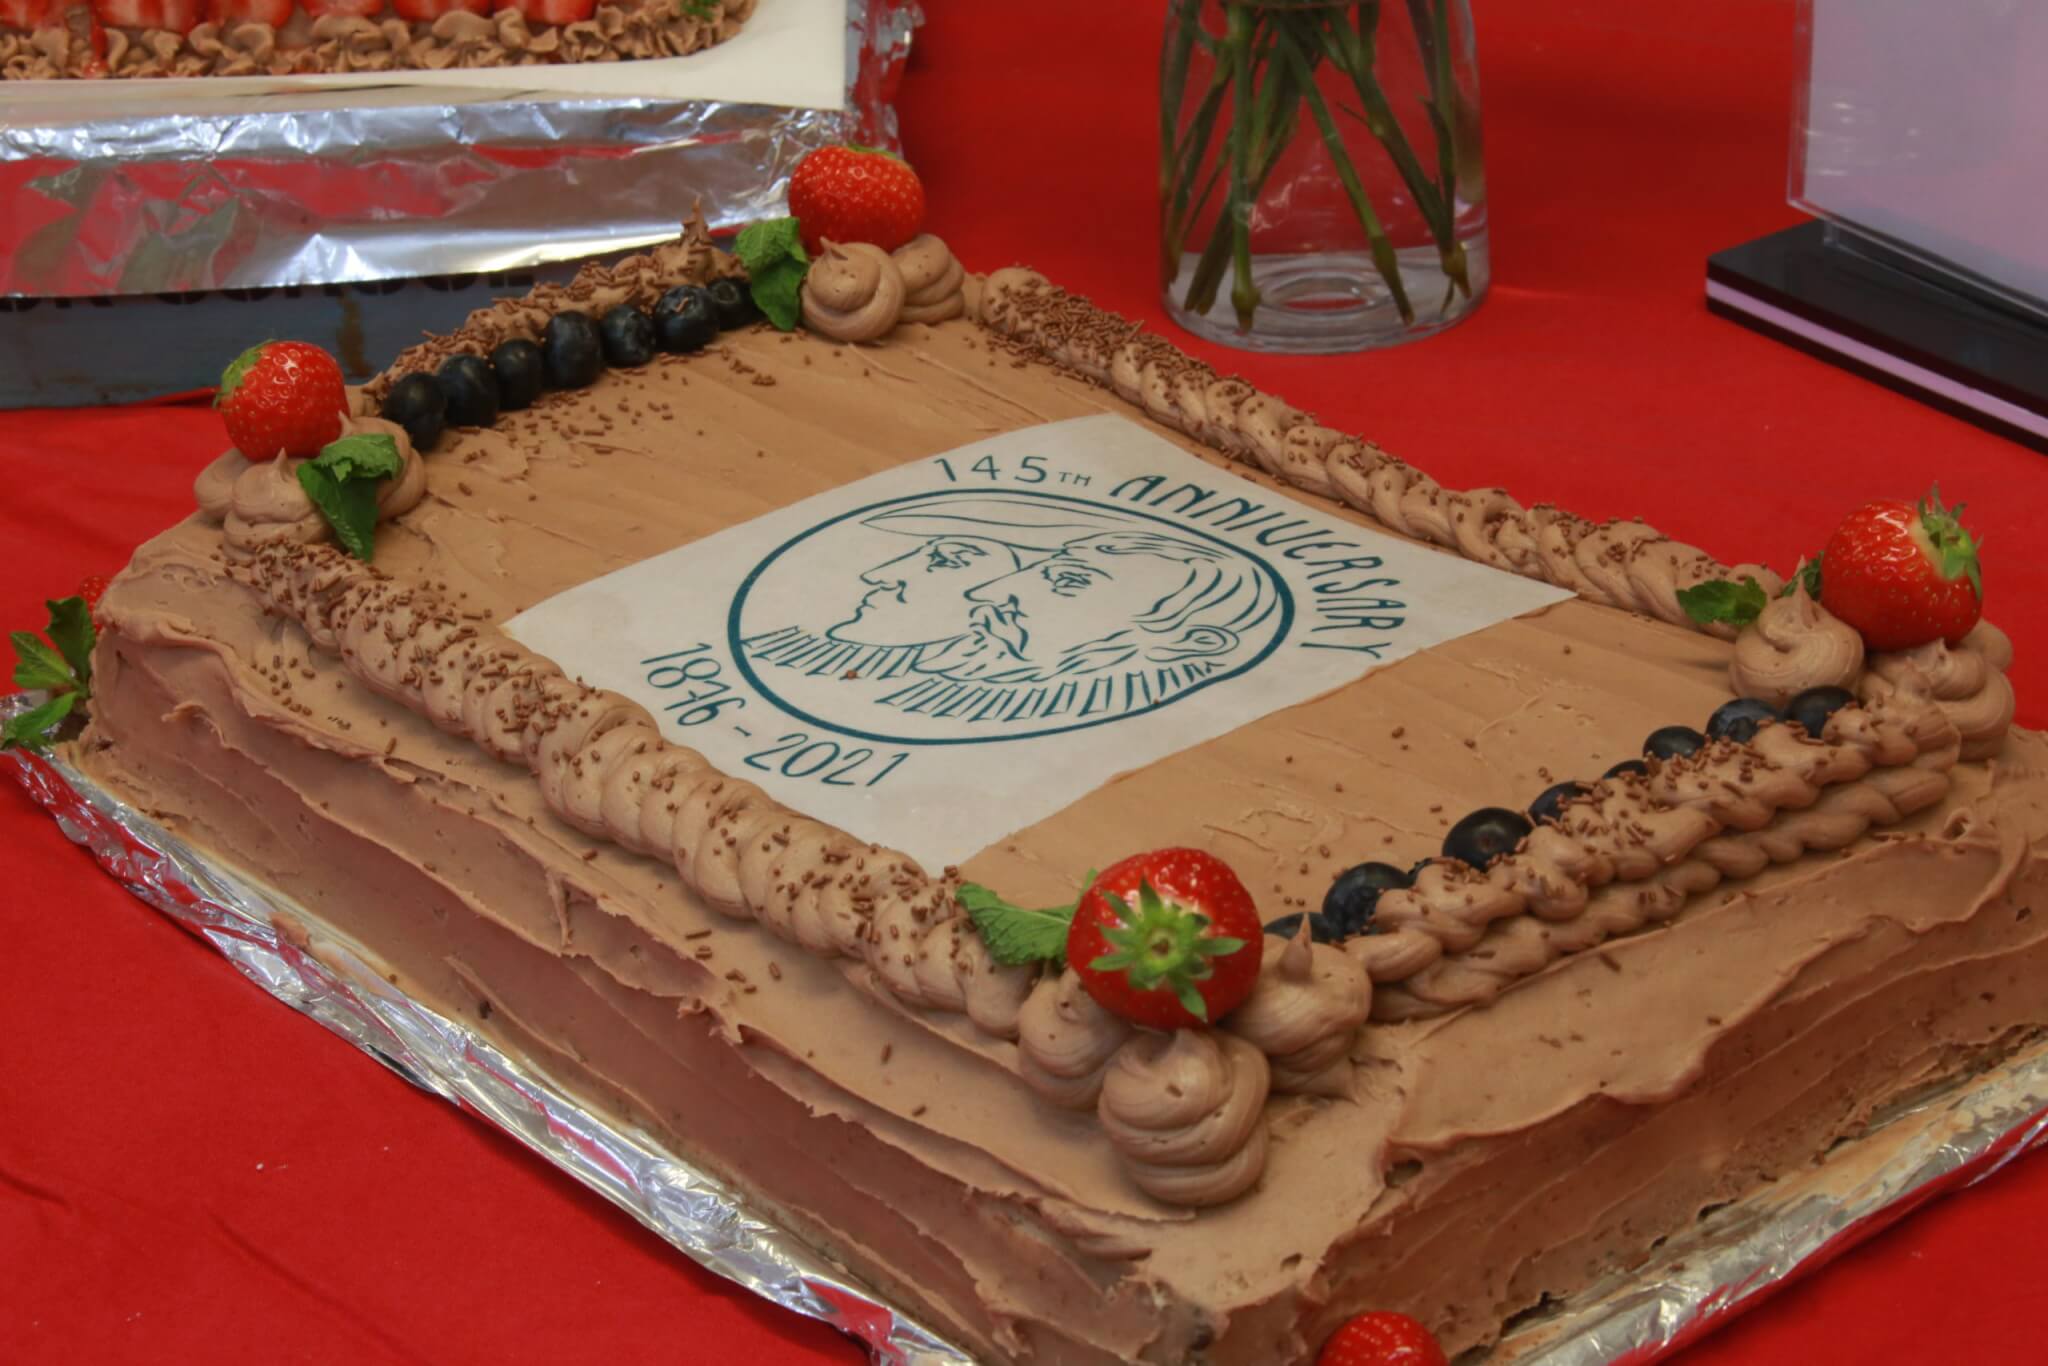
(772, 250)
(71, 631)
(777, 293)
(1718, 602)
(36, 665)
(33, 726)
(1013, 934)
(343, 483)
(768, 242)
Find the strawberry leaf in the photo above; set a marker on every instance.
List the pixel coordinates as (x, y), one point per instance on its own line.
(1809, 574)
(70, 630)
(1719, 602)
(231, 378)
(1014, 934)
(36, 665)
(33, 726)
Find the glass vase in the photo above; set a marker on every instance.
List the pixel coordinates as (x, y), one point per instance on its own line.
(1320, 178)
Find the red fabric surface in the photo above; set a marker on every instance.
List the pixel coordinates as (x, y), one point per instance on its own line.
(189, 1171)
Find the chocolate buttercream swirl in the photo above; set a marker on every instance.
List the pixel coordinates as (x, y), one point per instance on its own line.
(1632, 852)
(1621, 564)
(1065, 1042)
(853, 292)
(1965, 681)
(1795, 644)
(1186, 1113)
(932, 280)
(1523, 946)
(1303, 1013)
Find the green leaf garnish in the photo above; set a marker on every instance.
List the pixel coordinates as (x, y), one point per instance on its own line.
(1719, 602)
(63, 669)
(33, 726)
(343, 483)
(70, 630)
(772, 250)
(1017, 935)
(36, 665)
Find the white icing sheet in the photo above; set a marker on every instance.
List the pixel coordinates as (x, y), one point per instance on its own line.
(946, 652)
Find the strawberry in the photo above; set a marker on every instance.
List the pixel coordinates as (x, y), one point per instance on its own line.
(276, 13)
(352, 9)
(281, 396)
(1168, 939)
(1903, 574)
(426, 11)
(1381, 1339)
(179, 16)
(551, 11)
(856, 194)
(92, 588)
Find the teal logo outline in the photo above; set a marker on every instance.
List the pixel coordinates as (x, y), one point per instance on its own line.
(735, 640)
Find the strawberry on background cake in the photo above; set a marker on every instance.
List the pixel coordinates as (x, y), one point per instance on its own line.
(1378, 983)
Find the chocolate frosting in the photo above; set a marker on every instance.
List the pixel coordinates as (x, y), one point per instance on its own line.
(1966, 680)
(1795, 644)
(1185, 1110)
(853, 292)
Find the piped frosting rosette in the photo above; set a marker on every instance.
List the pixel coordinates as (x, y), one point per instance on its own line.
(1794, 644)
(857, 292)
(1186, 1113)
(259, 503)
(1967, 681)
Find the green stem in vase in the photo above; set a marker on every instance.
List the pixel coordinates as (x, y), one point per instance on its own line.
(1444, 118)
(1382, 247)
(1179, 173)
(1173, 74)
(1355, 53)
(1244, 295)
(1272, 123)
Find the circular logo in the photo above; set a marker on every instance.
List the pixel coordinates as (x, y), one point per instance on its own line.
(963, 616)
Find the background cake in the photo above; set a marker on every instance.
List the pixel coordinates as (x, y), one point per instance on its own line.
(1536, 484)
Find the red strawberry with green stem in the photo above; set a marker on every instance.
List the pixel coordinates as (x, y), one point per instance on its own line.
(282, 396)
(1903, 574)
(856, 194)
(179, 16)
(1381, 1338)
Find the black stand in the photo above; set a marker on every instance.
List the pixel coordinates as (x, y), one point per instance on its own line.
(1965, 353)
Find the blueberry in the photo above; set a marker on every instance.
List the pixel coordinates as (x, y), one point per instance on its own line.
(571, 352)
(1673, 742)
(733, 304)
(1549, 805)
(1355, 894)
(1813, 707)
(628, 336)
(522, 376)
(418, 404)
(1636, 766)
(472, 391)
(1320, 931)
(1738, 720)
(684, 319)
(1485, 835)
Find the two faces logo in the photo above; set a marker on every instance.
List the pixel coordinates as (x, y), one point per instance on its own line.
(957, 616)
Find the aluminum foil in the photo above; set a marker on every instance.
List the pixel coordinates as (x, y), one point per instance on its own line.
(424, 174)
(1713, 1270)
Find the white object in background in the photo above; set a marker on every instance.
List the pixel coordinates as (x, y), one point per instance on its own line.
(1921, 125)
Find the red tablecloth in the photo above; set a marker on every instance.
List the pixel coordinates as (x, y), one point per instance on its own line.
(189, 1171)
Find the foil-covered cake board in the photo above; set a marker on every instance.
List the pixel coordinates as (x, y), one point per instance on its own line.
(1695, 1280)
